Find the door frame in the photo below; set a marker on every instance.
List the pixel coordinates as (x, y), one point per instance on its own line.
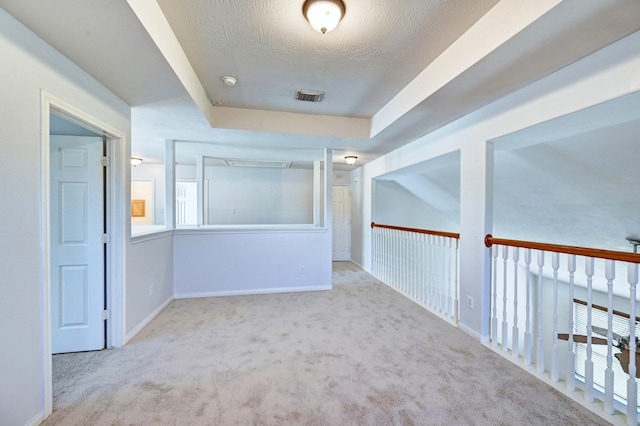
(115, 196)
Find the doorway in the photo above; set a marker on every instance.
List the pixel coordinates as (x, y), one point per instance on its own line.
(110, 226)
(341, 223)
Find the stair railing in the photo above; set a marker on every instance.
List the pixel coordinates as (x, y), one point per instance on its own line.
(421, 264)
(534, 309)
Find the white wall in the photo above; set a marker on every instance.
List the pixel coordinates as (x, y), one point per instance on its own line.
(246, 195)
(29, 66)
(149, 279)
(415, 213)
(225, 262)
(605, 75)
(256, 196)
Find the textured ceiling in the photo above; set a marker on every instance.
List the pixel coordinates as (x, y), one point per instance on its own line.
(384, 52)
(377, 49)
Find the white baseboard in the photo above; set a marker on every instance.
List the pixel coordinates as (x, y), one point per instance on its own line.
(472, 333)
(36, 420)
(147, 320)
(359, 265)
(246, 292)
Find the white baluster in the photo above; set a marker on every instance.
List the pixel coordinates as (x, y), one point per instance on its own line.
(416, 266)
(383, 244)
(435, 266)
(442, 268)
(450, 254)
(407, 263)
(571, 360)
(420, 277)
(610, 274)
(400, 261)
(515, 345)
(412, 265)
(432, 270)
(387, 254)
(455, 283)
(505, 326)
(396, 261)
(527, 334)
(392, 258)
(425, 268)
(555, 360)
(494, 317)
(540, 351)
(632, 386)
(588, 363)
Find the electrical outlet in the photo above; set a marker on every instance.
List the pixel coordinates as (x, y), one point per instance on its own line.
(302, 269)
(469, 302)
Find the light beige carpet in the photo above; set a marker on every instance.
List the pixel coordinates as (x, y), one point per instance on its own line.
(359, 354)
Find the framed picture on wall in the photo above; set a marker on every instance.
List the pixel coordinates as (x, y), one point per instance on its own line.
(137, 208)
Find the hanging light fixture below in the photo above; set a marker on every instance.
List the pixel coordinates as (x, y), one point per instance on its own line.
(136, 161)
(350, 159)
(323, 15)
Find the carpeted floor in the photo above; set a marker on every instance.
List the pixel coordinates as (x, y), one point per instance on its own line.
(359, 354)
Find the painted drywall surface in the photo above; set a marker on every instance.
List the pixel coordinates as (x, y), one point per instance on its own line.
(415, 212)
(149, 277)
(208, 263)
(245, 195)
(605, 75)
(249, 196)
(341, 177)
(30, 65)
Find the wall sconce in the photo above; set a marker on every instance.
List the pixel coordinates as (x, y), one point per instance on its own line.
(350, 159)
(136, 161)
(323, 15)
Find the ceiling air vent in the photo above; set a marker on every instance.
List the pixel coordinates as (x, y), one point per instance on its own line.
(309, 95)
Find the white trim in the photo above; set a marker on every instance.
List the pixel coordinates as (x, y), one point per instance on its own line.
(147, 320)
(471, 332)
(244, 229)
(116, 219)
(154, 235)
(36, 420)
(45, 260)
(361, 267)
(254, 291)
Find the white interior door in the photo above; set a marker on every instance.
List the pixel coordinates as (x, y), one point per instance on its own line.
(341, 223)
(77, 253)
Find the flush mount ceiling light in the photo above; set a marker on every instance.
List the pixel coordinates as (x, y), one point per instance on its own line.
(229, 80)
(136, 161)
(323, 15)
(350, 159)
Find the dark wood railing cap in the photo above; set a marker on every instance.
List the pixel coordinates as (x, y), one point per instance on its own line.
(417, 230)
(621, 256)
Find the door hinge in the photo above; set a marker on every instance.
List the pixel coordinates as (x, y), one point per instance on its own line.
(106, 161)
(106, 238)
(106, 314)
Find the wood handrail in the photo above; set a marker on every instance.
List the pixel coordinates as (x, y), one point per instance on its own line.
(418, 231)
(622, 256)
